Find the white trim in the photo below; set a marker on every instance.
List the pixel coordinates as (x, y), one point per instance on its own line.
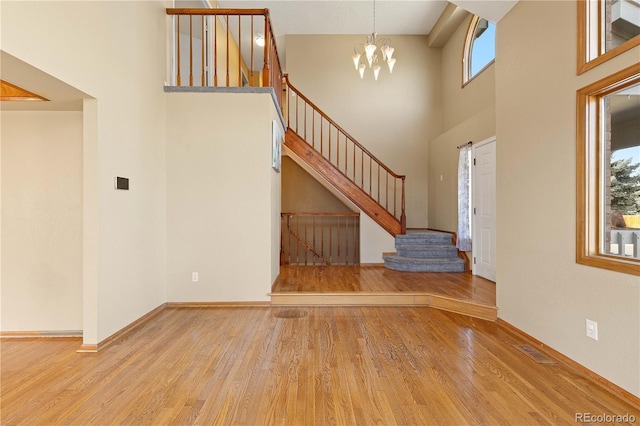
(474, 237)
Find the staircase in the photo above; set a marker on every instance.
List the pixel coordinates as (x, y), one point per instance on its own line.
(341, 160)
(425, 251)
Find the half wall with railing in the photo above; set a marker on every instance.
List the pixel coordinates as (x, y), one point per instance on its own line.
(224, 48)
(320, 238)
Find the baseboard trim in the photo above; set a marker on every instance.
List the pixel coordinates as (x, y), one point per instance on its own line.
(43, 335)
(87, 349)
(120, 334)
(213, 305)
(579, 368)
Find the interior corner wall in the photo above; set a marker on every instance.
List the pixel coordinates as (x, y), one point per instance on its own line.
(541, 290)
(302, 193)
(394, 117)
(120, 60)
(223, 197)
(41, 221)
(468, 115)
(276, 190)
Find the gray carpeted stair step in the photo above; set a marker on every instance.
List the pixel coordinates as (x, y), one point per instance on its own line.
(424, 238)
(426, 251)
(407, 264)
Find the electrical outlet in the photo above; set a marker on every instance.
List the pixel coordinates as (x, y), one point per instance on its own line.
(592, 329)
(194, 277)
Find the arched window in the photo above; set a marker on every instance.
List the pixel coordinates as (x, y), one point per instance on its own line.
(479, 48)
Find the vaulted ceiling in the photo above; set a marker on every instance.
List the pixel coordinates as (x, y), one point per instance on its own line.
(356, 16)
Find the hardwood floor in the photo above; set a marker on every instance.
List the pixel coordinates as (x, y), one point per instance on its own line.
(295, 366)
(375, 285)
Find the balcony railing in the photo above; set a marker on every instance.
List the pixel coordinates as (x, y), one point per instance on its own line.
(625, 242)
(320, 238)
(219, 48)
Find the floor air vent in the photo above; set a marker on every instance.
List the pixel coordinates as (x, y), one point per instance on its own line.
(534, 354)
(290, 313)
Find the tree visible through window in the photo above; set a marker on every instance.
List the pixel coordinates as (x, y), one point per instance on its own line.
(608, 153)
(625, 188)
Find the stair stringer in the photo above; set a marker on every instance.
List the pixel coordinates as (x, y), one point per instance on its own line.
(294, 144)
(374, 239)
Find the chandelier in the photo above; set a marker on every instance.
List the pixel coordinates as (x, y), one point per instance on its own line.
(367, 53)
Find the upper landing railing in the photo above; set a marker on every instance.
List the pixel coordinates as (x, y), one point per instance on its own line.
(225, 48)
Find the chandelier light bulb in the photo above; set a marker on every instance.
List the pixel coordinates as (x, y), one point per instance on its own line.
(376, 71)
(391, 62)
(356, 60)
(361, 69)
(370, 50)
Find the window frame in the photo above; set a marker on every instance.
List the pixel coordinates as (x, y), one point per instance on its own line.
(466, 53)
(589, 172)
(590, 32)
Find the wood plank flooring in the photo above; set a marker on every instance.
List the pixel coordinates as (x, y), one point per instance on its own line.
(297, 366)
(375, 285)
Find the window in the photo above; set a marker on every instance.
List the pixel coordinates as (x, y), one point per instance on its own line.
(606, 28)
(479, 48)
(608, 172)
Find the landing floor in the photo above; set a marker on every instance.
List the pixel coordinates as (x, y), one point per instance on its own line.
(332, 284)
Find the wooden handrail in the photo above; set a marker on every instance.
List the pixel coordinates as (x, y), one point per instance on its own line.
(326, 117)
(319, 214)
(192, 11)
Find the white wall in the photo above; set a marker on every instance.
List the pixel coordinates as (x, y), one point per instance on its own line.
(541, 290)
(374, 241)
(41, 221)
(114, 51)
(394, 117)
(223, 197)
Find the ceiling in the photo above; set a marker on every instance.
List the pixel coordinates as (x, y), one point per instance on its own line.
(356, 16)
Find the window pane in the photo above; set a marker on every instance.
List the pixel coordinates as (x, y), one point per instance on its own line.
(483, 49)
(622, 22)
(620, 138)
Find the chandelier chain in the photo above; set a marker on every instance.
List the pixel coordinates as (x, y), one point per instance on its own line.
(374, 16)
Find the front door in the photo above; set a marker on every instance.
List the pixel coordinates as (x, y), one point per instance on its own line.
(484, 209)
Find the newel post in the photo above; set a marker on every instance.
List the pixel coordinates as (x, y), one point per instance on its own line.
(266, 78)
(403, 216)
